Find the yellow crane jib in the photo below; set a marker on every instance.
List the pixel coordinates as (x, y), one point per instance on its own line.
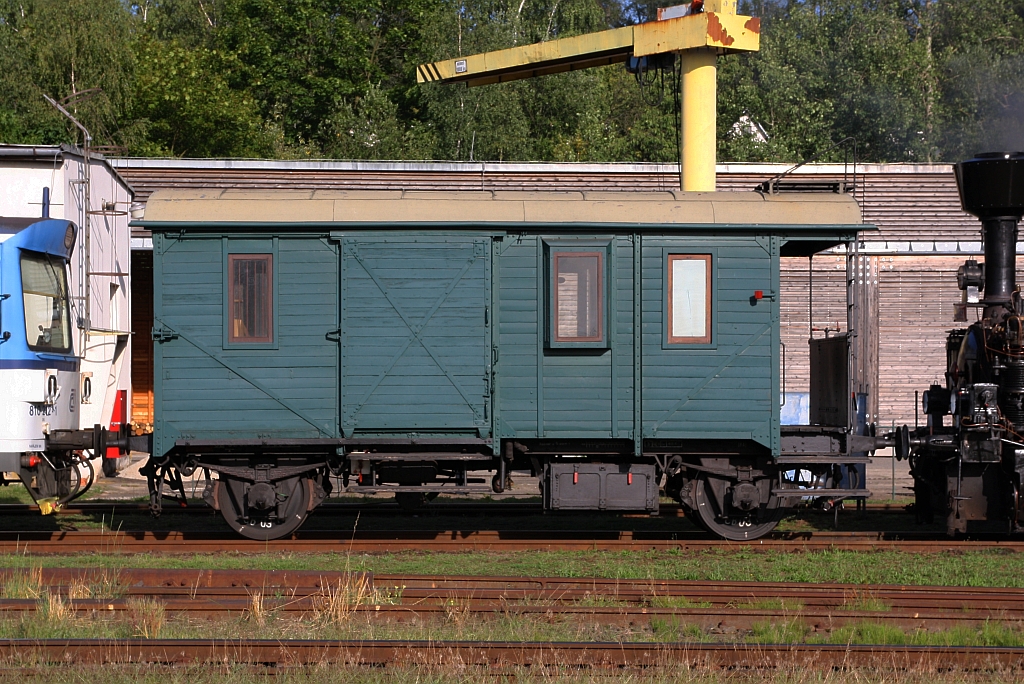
(717, 27)
(698, 32)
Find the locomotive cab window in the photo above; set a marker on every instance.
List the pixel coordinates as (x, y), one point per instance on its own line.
(250, 298)
(688, 314)
(45, 287)
(577, 298)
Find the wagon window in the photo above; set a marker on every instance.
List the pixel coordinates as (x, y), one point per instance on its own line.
(689, 299)
(251, 297)
(577, 290)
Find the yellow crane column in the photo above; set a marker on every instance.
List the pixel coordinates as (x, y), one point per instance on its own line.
(699, 120)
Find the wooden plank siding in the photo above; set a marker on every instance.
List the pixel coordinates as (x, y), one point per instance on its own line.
(416, 334)
(723, 390)
(207, 389)
(585, 393)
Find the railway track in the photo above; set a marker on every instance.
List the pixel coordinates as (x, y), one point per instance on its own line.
(497, 656)
(718, 607)
(382, 507)
(382, 541)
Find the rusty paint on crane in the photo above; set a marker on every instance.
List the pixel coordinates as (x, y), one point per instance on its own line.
(718, 33)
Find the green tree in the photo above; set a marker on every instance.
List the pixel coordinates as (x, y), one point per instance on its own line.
(183, 105)
(305, 58)
(77, 49)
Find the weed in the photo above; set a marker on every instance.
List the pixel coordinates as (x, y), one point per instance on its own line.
(335, 604)
(599, 601)
(867, 604)
(146, 616)
(772, 604)
(456, 611)
(781, 632)
(106, 583)
(256, 612)
(24, 585)
(677, 602)
(54, 609)
(79, 589)
(672, 629)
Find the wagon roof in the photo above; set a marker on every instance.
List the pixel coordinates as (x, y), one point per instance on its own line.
(366, 208)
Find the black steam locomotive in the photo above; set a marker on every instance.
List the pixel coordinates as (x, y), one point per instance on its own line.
(971, 465)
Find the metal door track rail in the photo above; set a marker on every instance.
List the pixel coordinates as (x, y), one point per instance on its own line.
(822, 458)
(424, 456)
(832, 493)
(400, 489)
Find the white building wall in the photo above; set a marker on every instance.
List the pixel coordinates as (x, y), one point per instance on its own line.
(105, 342)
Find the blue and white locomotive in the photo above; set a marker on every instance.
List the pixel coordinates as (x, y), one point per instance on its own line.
(41, 384)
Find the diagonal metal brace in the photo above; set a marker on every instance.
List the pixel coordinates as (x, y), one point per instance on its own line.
(415, 331)
(713, 374)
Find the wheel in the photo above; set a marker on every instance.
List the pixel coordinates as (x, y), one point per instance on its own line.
(695, 519)
(728, 522)
(293, 496)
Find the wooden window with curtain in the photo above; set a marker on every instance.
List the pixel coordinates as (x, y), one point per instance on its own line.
(251, 295)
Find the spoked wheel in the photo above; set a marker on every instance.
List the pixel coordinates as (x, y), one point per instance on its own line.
(727, 521)
(262, 511)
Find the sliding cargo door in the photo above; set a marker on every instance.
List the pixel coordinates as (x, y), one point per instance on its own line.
(415, 335)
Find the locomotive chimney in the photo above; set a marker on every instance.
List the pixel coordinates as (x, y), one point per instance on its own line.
(991, 187)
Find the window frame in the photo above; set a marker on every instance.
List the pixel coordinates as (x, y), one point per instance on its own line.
(709, 339)
(234, 250)
(62, 265)
(554, 249)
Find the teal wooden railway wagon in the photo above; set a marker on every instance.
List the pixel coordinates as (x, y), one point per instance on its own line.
(611, 343)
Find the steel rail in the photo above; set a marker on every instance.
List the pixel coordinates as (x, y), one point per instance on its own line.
(719, 619)
(229, 584)
(381, 507)
(822, 607)
(384, 541)
(493, 655)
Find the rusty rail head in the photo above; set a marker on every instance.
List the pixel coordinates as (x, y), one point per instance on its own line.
(487, 656)
(387, 541)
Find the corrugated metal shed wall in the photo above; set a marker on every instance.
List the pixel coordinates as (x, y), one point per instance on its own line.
(908, 204)
(896, 198)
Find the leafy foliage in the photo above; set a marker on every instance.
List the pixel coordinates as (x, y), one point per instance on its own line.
(910, 80)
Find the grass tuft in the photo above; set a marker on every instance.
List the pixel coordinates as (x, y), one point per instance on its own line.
(147, 617)
(25, 584)
(56, 610)
(257, 612)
